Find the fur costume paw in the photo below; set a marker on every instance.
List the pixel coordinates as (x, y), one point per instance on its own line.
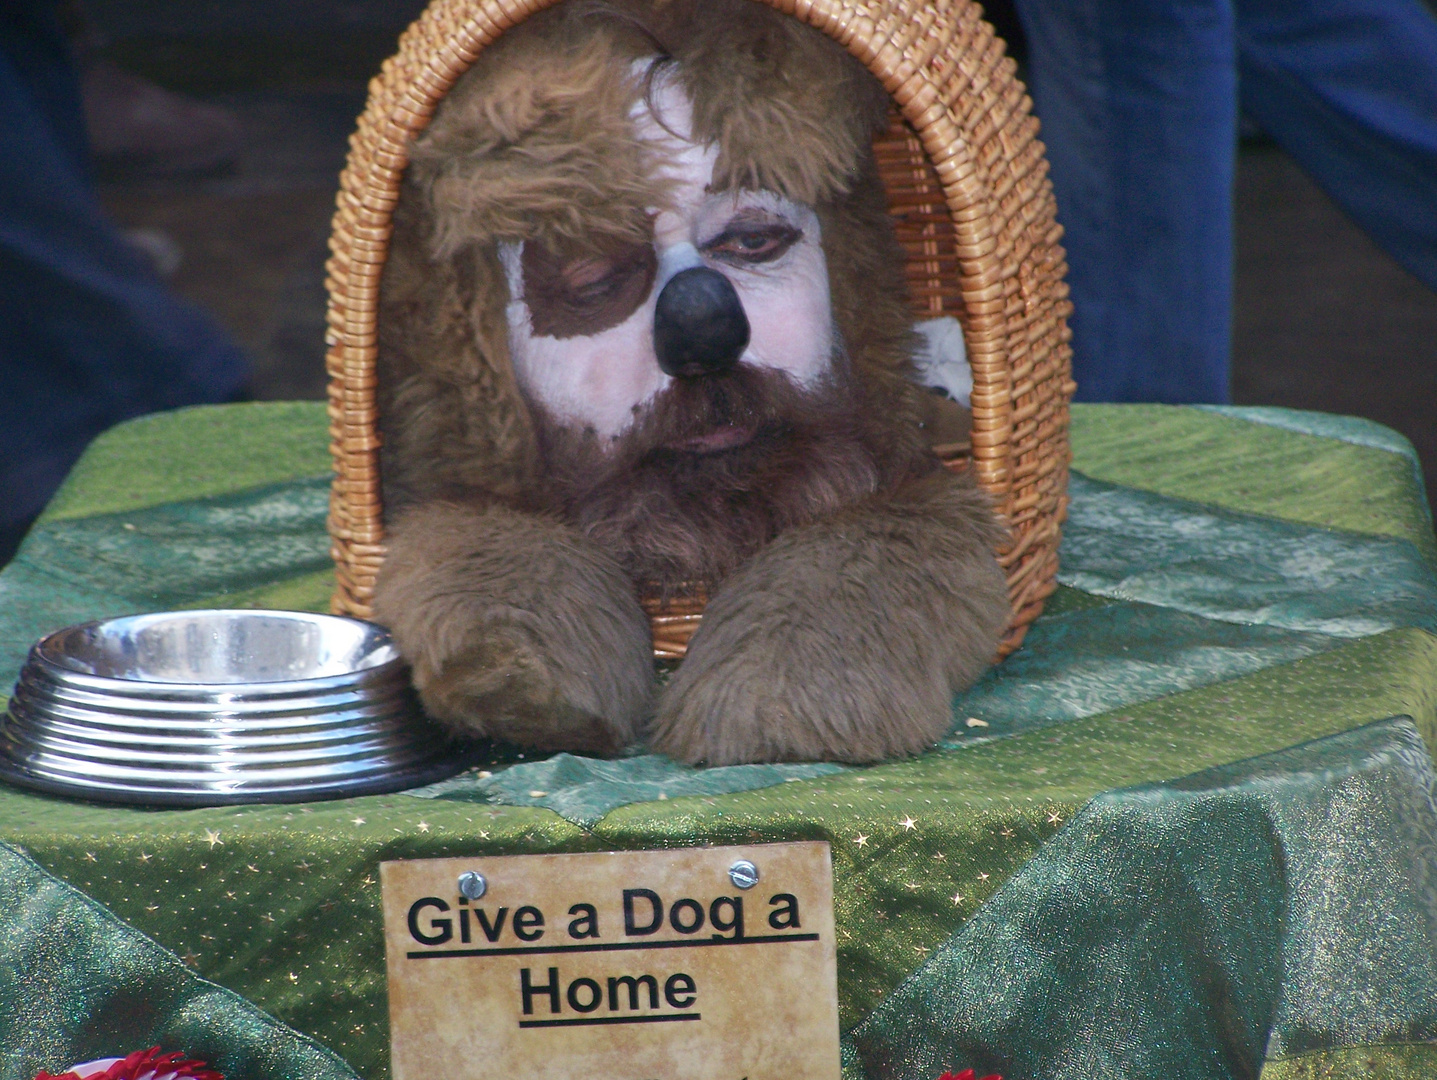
(842, 640)
(516, 627)
(643, 327)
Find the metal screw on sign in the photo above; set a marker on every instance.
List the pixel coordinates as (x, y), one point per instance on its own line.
(743, 874)
(472, 885)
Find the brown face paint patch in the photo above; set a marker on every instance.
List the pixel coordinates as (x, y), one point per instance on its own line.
(581, 293)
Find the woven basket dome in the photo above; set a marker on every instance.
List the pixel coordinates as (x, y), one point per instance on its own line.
(967, 185)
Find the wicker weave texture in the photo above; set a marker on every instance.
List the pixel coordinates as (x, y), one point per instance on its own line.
(968, 188)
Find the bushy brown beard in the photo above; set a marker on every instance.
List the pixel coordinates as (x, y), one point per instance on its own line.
(675, 506)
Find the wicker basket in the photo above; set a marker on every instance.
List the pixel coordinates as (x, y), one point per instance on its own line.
(968, 188)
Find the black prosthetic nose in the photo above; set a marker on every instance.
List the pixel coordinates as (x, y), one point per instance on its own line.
(699, 324)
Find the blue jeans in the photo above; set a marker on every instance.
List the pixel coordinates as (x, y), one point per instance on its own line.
(89, 335)
(1139, 101)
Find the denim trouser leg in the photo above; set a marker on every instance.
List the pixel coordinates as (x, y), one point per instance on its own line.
(1349, 89)
(88, 334)
(1138, 104)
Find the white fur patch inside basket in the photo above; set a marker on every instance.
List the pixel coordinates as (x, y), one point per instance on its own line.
(942, 359)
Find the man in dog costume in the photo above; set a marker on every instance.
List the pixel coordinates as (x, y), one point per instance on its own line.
(643, 331)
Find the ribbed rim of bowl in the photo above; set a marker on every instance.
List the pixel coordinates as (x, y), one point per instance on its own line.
(44, 698)
(24, 725)
(302, 757)
(249, 790)
(394, 752)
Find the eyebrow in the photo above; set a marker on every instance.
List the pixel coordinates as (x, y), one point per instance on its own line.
(759, 215)
(753, 215)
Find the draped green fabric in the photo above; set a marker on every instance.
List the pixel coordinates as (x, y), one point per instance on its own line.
(1291, 614)
(162, 557)
(1191, 929)
(1240, 568)
(77, 984)
(1257, 467)
(583, 790)
(1350, 429)
(1086, 662)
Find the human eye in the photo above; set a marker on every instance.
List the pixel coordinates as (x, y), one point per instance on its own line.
(593, 287)
(752, 242)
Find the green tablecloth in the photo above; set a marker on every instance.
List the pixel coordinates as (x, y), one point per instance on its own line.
(1193, 834)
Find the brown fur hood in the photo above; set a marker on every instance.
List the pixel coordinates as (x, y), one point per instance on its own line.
(535, 142)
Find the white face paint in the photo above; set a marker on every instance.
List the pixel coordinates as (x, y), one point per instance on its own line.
(767, 246)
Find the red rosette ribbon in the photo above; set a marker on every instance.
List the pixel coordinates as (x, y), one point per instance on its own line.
(141, 1065)
(968, 1074)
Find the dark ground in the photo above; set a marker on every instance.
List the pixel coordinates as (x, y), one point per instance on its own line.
(1324, 320)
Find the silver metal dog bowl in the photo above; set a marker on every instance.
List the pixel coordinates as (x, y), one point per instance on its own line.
(202, 708)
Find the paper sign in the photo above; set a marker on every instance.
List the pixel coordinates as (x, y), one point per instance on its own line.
(638, 965)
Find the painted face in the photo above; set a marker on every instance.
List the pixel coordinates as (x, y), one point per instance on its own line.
(581, 327)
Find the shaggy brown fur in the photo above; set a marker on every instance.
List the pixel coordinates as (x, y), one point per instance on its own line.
(790, 110)
(517, 546)
(673, 516)
(517, 627)
(844, 639)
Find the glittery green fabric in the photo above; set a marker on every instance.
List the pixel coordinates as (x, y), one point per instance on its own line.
(583, 790)
(1255, 468)
(1195, 928)
(207, 506)
(221, 548)
(1089, 661)
(1386, 1062)
(280, 903)
(77, 984)
(1350, 429)
(1126, 544)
